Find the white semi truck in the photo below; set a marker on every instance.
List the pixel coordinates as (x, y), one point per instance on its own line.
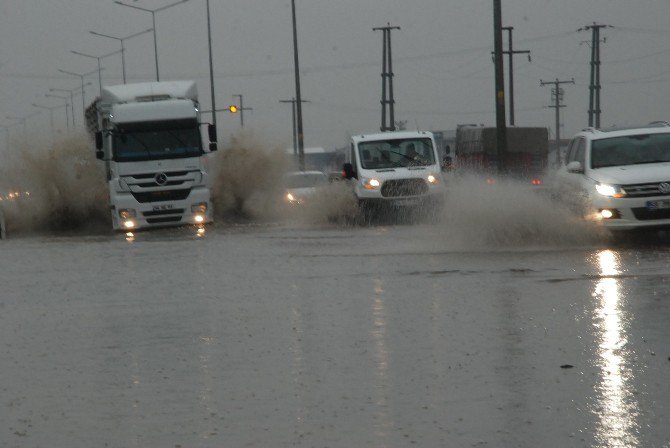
(149, 136)
(395, 171)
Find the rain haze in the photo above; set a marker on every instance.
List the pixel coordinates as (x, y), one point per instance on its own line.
(441, 60)
(494, 316)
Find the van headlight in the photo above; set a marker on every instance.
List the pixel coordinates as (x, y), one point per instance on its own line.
(371, 184)
(609, 190)
(433, 179)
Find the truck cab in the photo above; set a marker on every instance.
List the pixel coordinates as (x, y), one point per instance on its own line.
(394, 170)
(149, 136)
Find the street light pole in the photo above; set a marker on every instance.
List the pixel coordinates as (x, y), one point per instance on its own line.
(83, 95)
(51, 113)
(211, 66)
(153, 20)
(242, 108)
(67, 113)
(123, 48)
(71, 92)
(23, 120)
(99, 58)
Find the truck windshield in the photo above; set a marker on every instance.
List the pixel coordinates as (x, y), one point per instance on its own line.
(630, 150)
(159, 140)
(396, 153)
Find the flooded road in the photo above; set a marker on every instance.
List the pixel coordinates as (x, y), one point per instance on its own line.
(383, 336)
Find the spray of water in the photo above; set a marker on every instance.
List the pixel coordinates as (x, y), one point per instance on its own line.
(508, 214)
(61, 187)
(248, 185)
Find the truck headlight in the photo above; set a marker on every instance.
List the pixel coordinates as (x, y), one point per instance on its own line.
(127, 213)
(370, 184)
(613, 191)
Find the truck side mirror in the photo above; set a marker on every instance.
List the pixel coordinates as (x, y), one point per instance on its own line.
(348, 171)
(98, 141)
(213, 146)
(99, 154)
(211, 131)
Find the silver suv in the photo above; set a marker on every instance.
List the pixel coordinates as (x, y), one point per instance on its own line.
(619, 177)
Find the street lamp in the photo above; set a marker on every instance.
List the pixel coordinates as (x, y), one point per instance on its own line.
(123, 49)
(98, 58)
(153, 18)
(81, 76)
(67, 114)
(71, 92)
(51, 113)
(211, 66)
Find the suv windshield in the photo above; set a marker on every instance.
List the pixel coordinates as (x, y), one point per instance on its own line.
(630, 150)
(396, 153)
(157, 140)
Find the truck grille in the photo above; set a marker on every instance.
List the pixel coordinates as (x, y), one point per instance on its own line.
(404, 187)
(161, 195)
(173, 211)
(163, 220)
(644, 190)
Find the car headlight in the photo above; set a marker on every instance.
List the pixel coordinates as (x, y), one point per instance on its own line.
(371, 184)
(613, 191)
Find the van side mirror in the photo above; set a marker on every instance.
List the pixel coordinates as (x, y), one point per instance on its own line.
(213, 146)
(98, 141)
(574, 167)
(211, 131)
(348, 171)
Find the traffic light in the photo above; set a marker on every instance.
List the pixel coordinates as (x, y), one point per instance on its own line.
(232, 109)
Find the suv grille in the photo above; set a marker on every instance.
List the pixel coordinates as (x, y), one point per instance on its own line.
(644, 214)
(404, 187)
(644, 190)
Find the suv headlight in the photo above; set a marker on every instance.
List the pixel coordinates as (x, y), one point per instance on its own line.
(613, 191)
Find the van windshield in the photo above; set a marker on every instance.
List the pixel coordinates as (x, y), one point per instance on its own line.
(630, 150)
(396, 153)
(157, 140)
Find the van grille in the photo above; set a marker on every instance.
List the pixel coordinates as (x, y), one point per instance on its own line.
(404, 187)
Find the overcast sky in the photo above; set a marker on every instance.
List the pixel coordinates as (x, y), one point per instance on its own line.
(441, 56)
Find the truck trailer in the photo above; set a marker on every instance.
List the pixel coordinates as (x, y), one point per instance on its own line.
(149, 137)
(525, 159)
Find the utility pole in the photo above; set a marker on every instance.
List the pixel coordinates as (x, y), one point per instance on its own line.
(557, 96)
(511, 52)
(298, 103)
(594, 86)
(387, 78)
(295, 130)
(241, 108)
(501, 128)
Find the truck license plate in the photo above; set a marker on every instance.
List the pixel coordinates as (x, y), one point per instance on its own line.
(657, 205)
(163, 207)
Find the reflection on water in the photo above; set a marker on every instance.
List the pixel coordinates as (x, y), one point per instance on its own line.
(618, 410)
(381, 361)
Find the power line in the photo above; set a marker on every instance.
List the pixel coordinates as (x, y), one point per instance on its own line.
(557, 96)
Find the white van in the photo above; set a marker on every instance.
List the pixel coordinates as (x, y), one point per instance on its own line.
(394, 170)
